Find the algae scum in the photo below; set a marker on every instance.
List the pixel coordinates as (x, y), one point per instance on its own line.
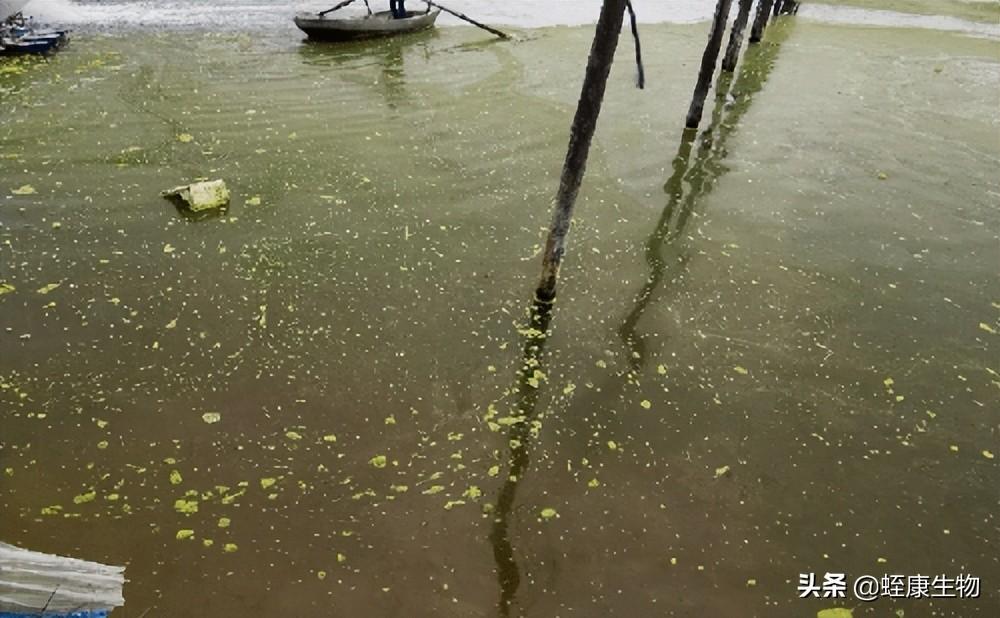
(774, 352)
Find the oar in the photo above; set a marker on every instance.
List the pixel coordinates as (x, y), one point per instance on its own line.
(337, 8)
(475, 23)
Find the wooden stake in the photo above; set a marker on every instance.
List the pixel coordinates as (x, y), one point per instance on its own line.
(760, 22)
(708, 60)
(789, 7)
(602, 55)
(736, 36)
(638, 45)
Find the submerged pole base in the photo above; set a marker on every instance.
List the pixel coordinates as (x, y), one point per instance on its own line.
(545, 297)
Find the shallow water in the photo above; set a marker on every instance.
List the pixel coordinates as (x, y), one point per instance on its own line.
(774, 351)
(979, 17)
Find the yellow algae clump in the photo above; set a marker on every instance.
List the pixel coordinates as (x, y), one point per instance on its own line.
(211, 417)
(24, 190)
(267, 482)
(230, 547)
(186, 507)
(378, 461)
(85, 498)
(183, 535)
(836, 612)
(176, 478)
(549, 513)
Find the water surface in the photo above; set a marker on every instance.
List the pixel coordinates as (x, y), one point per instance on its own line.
(774, 351)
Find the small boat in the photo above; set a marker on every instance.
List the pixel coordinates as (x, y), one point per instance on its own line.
(35, 43)
(368, 26)
(19, 36)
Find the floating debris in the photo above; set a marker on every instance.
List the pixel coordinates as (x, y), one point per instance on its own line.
(201, 196)
(33, 582)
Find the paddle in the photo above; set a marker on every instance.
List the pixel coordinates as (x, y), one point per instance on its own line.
(342, 5)
(475, 23)
(337, 8)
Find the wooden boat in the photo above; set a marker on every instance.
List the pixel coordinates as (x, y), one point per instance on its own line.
(367, 26)
(38, 42)
(19, 36)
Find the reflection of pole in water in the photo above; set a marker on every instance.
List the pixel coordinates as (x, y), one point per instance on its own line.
(692, 181)
(519, 437)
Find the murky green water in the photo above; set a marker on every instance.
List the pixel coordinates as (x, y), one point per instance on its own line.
(774, 351)
(976, 10)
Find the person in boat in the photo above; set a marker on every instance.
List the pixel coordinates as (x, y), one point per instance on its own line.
(397, 8)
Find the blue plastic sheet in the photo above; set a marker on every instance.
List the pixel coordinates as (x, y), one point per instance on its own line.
(93, 614)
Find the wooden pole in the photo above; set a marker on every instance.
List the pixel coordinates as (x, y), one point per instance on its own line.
(708, 60)
(777, 7)
(638, 44)
(760, 22)
(462, 16)
(789, 7)
(602, 55)
(736, 36)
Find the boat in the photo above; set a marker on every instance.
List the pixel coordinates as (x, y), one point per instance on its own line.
(20, 36)
(363, 27)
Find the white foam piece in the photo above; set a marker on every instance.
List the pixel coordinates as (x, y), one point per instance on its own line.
(32, 580)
